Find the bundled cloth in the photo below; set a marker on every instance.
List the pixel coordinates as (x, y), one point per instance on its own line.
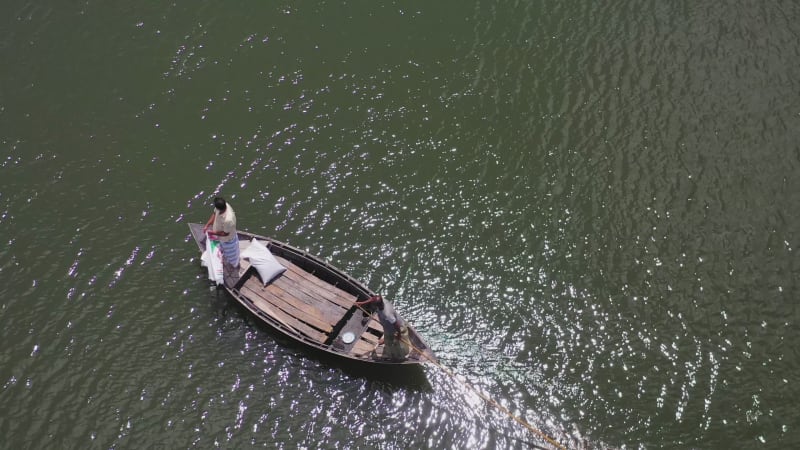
(212, 259)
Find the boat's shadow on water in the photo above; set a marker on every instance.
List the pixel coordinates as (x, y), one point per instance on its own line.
(406, 376)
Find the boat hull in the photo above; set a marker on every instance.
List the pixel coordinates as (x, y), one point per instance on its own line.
(313, 303)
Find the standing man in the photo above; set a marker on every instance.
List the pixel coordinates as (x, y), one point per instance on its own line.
(223, 227)
(395, 331)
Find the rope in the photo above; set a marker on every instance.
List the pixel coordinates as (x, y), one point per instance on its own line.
(483, 396)
(492, 402)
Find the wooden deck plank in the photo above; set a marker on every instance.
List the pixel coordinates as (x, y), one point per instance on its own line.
(327, 293)
(286, 287)
(299, 326)
(310, 315)
(293, 322)
(369, 337)
(278, 307)
(293, 281)
(375, 325)
(286, 297)
(309, 293)
(289, 305)
(361, 347)
(330, 292)
(243, 266)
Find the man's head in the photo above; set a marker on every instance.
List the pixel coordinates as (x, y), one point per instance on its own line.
(220, 204)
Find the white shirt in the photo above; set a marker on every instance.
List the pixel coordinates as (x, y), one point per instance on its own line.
(225, 222)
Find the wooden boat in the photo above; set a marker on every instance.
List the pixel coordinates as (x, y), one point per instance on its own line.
(313, 303)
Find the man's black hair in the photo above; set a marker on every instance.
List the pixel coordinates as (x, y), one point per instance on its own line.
(220, 203)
